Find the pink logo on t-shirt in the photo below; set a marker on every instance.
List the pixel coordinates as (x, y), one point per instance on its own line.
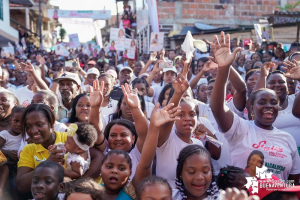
(26, 103)
(261, 145)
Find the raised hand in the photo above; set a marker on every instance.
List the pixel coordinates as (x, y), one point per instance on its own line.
(28, 67)
(292, 70)
(156, 67)
(185, 68)
(40, 59)
(181, 84)
(236, 194)
(96, 93)
(164, 115)
(265, 68)
(222, 53)
(209, 65)
(152, 57)
(131, 97)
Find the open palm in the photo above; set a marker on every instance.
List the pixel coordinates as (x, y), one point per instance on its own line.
(96, 94)
(292, 69)
(164, 115)
(222, 52)
(40, 59)
(181, 84)
(27, 67)
(131, 97)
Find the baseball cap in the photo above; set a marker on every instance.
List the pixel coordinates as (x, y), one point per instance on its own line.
(173, 69)
(91, 62)
(267, 186)
(126, 68)
(247, 42)
(68, 76)
(112, 72)
(93, 70)
(144, 75)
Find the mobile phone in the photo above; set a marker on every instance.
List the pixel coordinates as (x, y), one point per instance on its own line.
(74, 64)
(68, 64)
(244, 52)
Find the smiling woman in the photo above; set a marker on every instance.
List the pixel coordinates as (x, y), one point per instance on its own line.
(81, 109)
(7, 102)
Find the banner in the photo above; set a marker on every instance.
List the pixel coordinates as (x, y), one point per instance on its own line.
(130, 54)
(74, 41)
(61, 50)
(117, 37)
(97, 26)
(153, 15)
(6, 51)
(156, 41)
(94, 14)
(266, 32)
(130, 44)
(89, 48)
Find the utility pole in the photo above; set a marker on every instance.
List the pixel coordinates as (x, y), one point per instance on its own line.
(40, 24)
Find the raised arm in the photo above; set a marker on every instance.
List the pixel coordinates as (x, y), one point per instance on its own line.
(239, 97)
(180, 85)
(96, 99)
(293, 72)
(41, 60)
(158, 118)
(152, 59)
(207, 66)
(264, 72)
(140, 120)
(30, 69)
(149, 79)
(224, 59)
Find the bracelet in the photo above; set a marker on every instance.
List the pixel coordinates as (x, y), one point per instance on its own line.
(97, 145)
(79, 70)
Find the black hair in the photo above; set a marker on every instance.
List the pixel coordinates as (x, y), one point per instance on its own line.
(183, 155)
(150, 181)
(261, 57)
(42, 108)
(85, 186)
(119, 152)
(253, 65)
(269, 52)
(118, 113)
(59, 170)
(17, 109)
(275, 72)
(111, 79)
(279, 195)
(191, 100)
(203, 59)
(212, 80)
(49, 96)
(254, 94)
(161, 96)
(198, 88)
(172, 50)
(250, 73)
(86, 134)
(73, 118)
(139, 80)
(123, 122)
(228, 176)
(256, 152)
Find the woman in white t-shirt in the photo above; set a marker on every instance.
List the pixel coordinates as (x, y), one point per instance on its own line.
(121, 133)
(279, 148)
(277, 82)
(109, 105)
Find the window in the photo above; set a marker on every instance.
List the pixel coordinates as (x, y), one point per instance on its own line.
(1, 10)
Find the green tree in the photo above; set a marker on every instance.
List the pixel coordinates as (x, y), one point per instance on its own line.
(290, 7)
(62, 33)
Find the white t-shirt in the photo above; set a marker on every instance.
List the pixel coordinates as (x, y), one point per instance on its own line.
(287, 122)
(110, 108)
(58, 127)
(279, 148)
(24, 95)
(166, 157)
(11, 142)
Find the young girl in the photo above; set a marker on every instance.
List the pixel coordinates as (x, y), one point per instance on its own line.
(10, 139)
(80, 138)
(194, 175)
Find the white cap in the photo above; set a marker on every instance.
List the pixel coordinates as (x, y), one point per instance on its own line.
(170, 69)
(143, 75)
(93, 70)
(68, 76)
(112, 72)
(126, 68)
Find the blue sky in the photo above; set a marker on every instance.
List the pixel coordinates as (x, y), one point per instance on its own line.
(85, 33)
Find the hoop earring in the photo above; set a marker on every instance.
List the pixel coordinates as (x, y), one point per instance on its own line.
(252, 115)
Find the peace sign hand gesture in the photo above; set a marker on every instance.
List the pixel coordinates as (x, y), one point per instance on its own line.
(222, 52)
(164, 115)
(96, 93)
(131, 97)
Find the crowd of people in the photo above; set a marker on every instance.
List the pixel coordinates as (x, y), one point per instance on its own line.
(196, 129)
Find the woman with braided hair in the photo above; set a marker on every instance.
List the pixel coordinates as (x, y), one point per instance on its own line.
(232, 177)
(194, 175)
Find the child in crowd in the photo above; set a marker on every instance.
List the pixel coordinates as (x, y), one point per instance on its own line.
(47, 179)
(80, 138)
(10, 139)
(85, 189)
(232, 176)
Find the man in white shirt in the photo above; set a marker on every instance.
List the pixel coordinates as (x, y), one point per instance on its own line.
(92, 74)
(125, 76)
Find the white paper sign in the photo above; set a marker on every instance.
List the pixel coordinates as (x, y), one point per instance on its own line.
(74, 41)
(130, 44)
(61, 50)
(6, 51)
(156, 41)
(117, 38)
